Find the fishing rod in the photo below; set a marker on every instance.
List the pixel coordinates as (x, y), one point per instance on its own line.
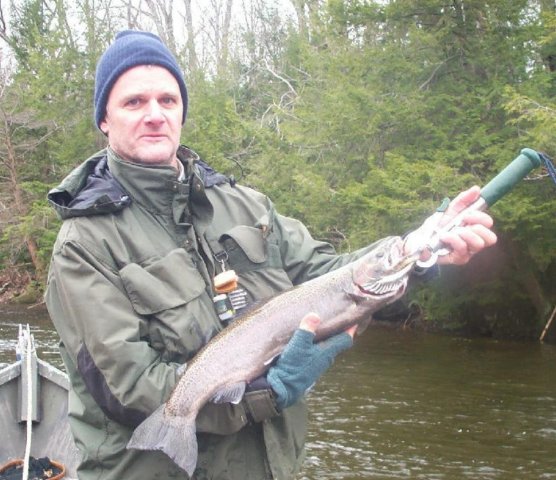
(516, 170)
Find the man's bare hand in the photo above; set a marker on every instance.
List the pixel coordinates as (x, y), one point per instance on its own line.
(472, 236)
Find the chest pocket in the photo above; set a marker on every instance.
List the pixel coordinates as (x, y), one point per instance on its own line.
(251, 248)
(170, 292)
(254, 253)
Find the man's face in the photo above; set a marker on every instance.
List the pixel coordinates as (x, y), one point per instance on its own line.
(144, 115)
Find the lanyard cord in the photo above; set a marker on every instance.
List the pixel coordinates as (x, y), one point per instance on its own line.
(549, 165)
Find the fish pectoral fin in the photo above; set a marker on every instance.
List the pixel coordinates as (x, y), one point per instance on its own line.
(229, 393)
(362, 326)
(270, 360)
(357, 299)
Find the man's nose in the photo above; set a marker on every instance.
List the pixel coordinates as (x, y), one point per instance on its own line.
(154, 112)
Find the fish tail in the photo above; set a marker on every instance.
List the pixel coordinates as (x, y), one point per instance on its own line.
(175, 436)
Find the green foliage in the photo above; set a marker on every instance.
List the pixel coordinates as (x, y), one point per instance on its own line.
(39, 223)
(402, 104)
(214, 127)
(358, 120)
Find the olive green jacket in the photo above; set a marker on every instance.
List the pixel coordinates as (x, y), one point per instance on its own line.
(130, 294)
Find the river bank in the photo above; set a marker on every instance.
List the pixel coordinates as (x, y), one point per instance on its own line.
(19, 287)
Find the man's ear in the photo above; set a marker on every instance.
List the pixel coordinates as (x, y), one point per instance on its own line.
(104, 127)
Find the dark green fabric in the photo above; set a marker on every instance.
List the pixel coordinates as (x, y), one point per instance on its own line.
(130, 291)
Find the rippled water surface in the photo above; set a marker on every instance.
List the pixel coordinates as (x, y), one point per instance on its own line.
(410, 405)
(46, 338)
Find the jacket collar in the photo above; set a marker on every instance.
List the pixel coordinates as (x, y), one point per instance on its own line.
(152, 186)
(105, 183)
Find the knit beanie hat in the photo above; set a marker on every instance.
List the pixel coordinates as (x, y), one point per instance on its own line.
(130, 49)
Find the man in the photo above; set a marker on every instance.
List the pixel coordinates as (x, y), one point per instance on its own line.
(147, 228)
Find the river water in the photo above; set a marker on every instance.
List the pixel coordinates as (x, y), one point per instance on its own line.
(403, 404)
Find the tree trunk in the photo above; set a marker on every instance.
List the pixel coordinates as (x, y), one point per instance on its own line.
(10, 163)
(190, 44)
(548, 52)
(225, 39)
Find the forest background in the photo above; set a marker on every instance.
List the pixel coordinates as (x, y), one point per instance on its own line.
(355, 116)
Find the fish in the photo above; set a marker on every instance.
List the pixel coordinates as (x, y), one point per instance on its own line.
(244, 350)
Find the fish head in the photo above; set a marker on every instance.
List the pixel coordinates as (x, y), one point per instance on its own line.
(383, 272)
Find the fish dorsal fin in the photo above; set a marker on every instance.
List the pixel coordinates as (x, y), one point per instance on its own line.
(229, 393)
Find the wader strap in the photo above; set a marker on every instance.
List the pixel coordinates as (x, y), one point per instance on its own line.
(260, 405)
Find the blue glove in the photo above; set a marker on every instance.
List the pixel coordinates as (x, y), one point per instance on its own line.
(302, 363)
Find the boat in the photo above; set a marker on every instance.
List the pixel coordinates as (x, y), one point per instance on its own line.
(34, 411)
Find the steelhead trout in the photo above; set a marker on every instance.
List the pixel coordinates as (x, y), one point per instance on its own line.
(243, 351)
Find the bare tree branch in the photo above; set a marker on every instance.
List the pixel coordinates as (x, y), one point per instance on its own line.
(3, 24)
(279, 77)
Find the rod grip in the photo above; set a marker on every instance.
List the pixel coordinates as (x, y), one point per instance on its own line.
(526, 161)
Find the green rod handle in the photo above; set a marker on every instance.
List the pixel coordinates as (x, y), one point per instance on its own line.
(494, 190)
(491, 192)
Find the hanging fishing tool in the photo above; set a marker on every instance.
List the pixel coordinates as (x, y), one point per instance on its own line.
(229, 298)
(427, 237)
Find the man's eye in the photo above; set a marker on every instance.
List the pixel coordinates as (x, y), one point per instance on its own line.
(168, 100)
(133, 102)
